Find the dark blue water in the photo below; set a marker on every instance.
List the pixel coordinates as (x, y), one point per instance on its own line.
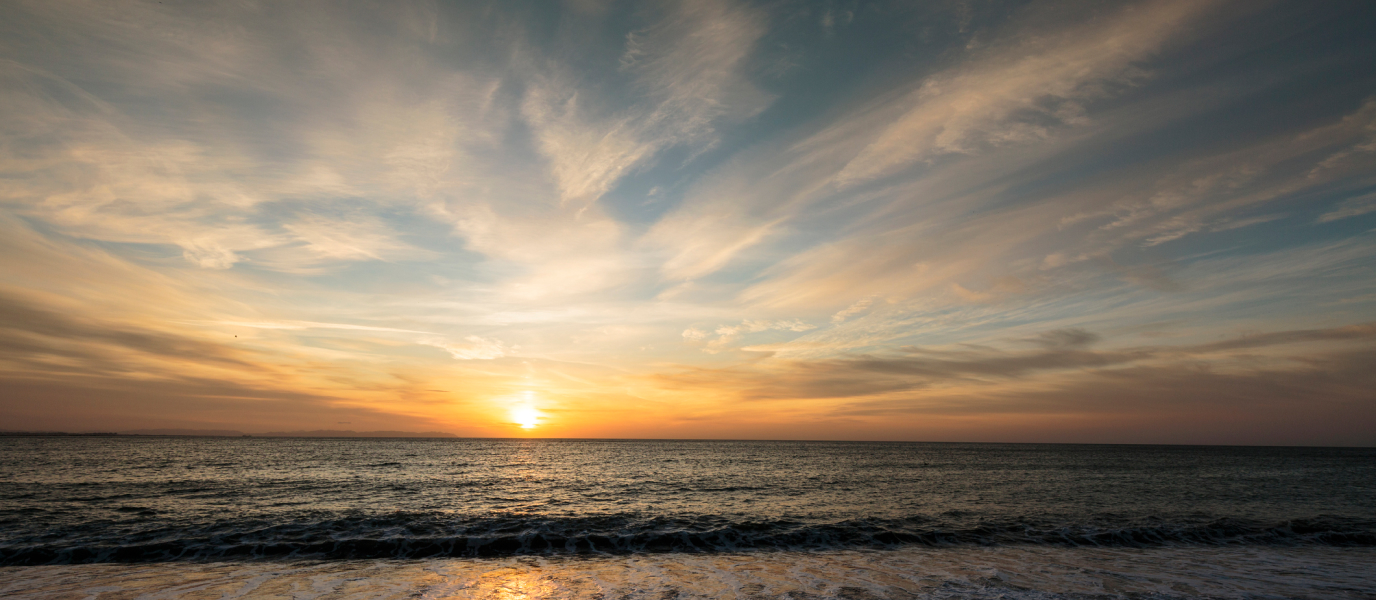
(73, 500)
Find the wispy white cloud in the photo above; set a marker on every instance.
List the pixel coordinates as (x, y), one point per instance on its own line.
(688, 80)
(472, 348)
(199, 178)
(1015, 93)
(862, 305)
(312, 325)
(1007, 95)
(1201, 194)
(1357, 205)
(725, 335)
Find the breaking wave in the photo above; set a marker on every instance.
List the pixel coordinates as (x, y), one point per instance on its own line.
(407, 536)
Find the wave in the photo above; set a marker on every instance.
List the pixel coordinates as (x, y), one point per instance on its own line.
(406, 536)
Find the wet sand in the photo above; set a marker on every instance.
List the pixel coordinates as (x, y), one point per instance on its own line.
(999, 572)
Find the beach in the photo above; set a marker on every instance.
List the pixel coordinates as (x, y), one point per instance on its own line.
(1010, 573)
(183, 517)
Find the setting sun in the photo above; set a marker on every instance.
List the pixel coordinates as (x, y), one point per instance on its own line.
(526, 417)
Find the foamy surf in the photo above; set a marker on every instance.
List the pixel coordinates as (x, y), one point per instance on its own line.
(421, 536)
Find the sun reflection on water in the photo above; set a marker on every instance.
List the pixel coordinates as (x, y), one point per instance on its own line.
(521, 586)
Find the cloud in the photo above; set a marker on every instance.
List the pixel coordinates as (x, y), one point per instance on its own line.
(918, 246)
(312, 325)
(359, 238)
(994, 99)
(1199, 195)
(113, 341)
(1073, 337)
(970, 216)
(95, 403)
(695, 334)
(687, 79)
(237, 131)
(1357, 205)
(1231, 224)
(549, 254)
(1320, 399)
(587, 157)
(984, 371)
(1359, 332)
(207, 254)
(1148, 276)
(34, 336)
(728, 334)
(476, 348)
(1019, 93)
(702, 245)
(859, 307)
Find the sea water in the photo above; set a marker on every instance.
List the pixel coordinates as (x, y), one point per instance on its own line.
(376, 518)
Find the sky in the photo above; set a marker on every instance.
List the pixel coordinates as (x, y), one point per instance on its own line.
(1098, 222)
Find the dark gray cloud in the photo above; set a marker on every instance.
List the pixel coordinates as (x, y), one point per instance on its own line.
(1061, 352)
(29, 335)
(1073, 337)
(1362, 331)
(67, 372)
(1327, 400)
(100, 402)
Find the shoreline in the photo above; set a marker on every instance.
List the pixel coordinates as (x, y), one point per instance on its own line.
(974, 572)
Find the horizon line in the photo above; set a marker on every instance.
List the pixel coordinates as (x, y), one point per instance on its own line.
(265, 435)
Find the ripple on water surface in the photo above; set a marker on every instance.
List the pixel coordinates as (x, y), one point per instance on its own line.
(131, 499)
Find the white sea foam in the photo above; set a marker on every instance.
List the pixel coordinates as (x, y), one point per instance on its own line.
(1001, 572)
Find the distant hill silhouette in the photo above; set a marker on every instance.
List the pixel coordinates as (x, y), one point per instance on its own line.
(350, 434)
(318, 433)
(201, 432)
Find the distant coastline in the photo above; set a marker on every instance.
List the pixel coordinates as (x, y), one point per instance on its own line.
(317, 433)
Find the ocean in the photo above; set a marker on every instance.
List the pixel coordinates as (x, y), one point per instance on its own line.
(97, 517)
